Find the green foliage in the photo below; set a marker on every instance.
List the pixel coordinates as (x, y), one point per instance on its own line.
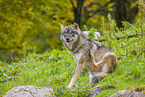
(91, 33)
(36, 23)
(3, 76)
(30, 22)
(54, 69)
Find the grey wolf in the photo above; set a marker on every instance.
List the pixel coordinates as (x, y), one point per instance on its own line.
(93, 55)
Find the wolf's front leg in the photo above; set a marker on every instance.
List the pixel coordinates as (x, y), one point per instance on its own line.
(76, 74)
(80, 65)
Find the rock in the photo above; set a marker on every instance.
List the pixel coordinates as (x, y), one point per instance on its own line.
(119, 93)
(132, 93)
(29, 91)
(94, 91)
(97, 89)
(129, 93)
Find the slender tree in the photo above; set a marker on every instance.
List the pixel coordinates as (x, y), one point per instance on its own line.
(124, 12)
(77, 11)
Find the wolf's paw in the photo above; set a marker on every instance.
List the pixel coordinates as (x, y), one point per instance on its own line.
(70, 86)
(95, 68)
(91, 53)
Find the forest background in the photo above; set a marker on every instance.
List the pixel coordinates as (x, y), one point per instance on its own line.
(34, 25)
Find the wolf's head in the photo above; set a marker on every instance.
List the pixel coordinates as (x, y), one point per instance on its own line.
(70, 33)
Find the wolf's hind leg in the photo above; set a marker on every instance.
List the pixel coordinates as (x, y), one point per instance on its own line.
(109, 58)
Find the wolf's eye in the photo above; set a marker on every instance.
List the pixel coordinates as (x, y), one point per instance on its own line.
(73, 34)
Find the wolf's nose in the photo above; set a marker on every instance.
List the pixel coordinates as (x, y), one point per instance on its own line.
(67, 39)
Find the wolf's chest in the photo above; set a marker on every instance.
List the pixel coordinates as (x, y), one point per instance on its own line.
(87, 61)
(77, 57)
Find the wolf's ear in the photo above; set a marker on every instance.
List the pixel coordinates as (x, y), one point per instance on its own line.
(61, 26)
(76, 26)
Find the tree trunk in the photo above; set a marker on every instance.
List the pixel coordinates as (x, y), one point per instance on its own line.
(121, 11)
(77, 11)
(124, 12)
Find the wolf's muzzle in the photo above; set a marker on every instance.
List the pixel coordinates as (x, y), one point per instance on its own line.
(68, 39)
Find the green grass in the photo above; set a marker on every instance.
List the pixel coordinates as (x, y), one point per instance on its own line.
(54, 69)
